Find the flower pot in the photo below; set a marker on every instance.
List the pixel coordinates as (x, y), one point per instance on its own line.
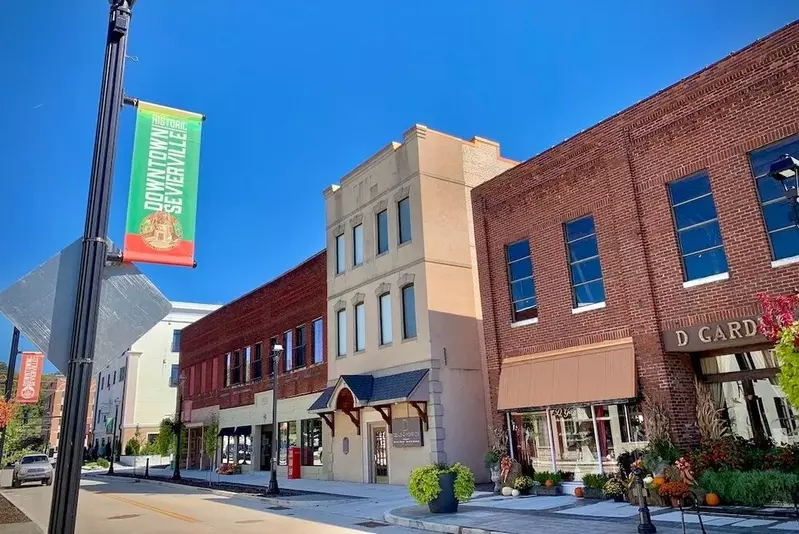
(593, 493)
(495, 478)
(618, 498)
(445, 503)
(676, 502)
(547, 491)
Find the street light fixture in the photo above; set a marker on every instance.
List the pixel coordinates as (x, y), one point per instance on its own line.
(273, 488)
(114, 437)
(786, 171)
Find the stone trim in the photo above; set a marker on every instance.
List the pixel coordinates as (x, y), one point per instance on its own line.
(355, 221)
(338, 230)
(340, 305)
(358, 298)
(402, 193)
(405, 280)
(381, 206)
(382, 288)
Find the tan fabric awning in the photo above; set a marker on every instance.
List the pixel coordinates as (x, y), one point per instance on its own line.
(589, 373)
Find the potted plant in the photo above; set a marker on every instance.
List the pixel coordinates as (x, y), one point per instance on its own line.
(441, 487)
(491, 461)
(593, 485)
(547, 483)
(524, 484)
(614, 489)
(675, 492)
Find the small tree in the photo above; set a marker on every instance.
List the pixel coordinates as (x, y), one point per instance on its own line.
(211, 439)
(166, 435)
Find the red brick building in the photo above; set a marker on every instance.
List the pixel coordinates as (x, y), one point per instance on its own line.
(623, 263)
(226, 371)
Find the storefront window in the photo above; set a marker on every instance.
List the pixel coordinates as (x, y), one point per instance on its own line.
(575, 442)
(531, 440)
(288, 438)
(311, 441)
(237, 450)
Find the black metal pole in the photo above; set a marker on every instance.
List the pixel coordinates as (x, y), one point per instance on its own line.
(273, 488)
(113, 442)
(645, 525)
(64, 508)
(178, 426)
(12, 367)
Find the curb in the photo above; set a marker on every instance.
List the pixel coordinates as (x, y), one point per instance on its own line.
(430, 526)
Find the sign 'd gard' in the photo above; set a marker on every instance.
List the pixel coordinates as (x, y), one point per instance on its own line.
(162, 205)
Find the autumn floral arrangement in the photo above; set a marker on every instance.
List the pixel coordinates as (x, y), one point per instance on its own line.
(778, 323)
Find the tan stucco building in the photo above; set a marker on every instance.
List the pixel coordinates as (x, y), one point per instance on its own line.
(405, 377)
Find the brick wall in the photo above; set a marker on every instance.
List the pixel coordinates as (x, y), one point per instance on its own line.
(295, 298)
(618, 171)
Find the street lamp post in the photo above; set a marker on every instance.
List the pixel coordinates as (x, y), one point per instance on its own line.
(786, 171)
(178, 425)
(114, 438)
(273, 488)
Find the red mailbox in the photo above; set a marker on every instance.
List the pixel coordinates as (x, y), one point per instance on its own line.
(294, 462)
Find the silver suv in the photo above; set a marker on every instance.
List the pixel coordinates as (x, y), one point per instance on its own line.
(32, 468)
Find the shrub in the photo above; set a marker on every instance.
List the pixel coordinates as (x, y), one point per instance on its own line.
(424, 487)
(542, 476)
(132, 447)
(595, 481)
(674, 489)
(613, 488)
(102, 462)
(750, 488)
(523, 483)
(566, 476)
(492, 458)
(464, 482)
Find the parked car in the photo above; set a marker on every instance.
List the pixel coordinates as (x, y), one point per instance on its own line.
(32, 468)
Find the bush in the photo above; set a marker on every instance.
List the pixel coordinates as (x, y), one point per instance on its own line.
(750, 488)
(595, 481)
(102, 462)
(566, 476)
(523, 483)
(613, 488)
(423, 484)
(491, 458)
(542, 476)
(734, 453)
(132, 447)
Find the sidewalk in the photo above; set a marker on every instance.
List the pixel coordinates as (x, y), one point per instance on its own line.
(567, 514)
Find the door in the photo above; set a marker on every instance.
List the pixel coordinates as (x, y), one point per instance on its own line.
(379, 455)
(195, 447)
(266, 447)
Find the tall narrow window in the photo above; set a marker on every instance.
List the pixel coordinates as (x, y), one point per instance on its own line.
(781, 223)
(385, 319)
(357, 245)
(341, 332)
(288, 349)
(404, 218)
(382, 232)
(520, 277)
(340, 254)
(408, 312)
(270, 362)
(246, 365)
(228, 369)
(360, 327)
(236, 371)
(318, 341)
(586, 272)
(299, 349)
(176, 341)
(697, 227)
(258, 362)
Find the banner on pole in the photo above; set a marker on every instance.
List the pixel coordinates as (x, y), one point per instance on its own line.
(162, 204)
(30, 377)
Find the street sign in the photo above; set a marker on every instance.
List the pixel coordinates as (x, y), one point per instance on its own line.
(42, 305)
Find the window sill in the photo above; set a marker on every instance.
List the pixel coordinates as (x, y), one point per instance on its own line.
(356, 266)
(384, 346)
(358, 352)
(339, 356)
(784, 261)
(381, 254)
(706, 280)
(409, 339)
(404, 243)
(590, 307)
(524, 322)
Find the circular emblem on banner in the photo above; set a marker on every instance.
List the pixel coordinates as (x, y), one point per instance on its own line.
(161, 231)
(28, 392)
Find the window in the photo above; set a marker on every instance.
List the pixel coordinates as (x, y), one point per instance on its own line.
(785, 416)
(385, 318)
(341, 332)
(318, 341)
(287, 438)
(151, 438)
(299, 350)
(783, 232)
(360, 327)
(311, 441)
(382, 232)
(288, 352)
(408, 312)
(270, 365)
(246, 365)
(102, 382)
(698, 232)
(357, 245)
(174, 375)
(122, 373)
(584, 267)
(520, 278)
(258, 362)
(235, 372)
(404, 216)
(228, 365)
(340, 252)
(237, 449)
(176, 341)
(115, 377)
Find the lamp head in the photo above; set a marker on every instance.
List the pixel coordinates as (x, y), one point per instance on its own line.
(277, 348)
(786, 167)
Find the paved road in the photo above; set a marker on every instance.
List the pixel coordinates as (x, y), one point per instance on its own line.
(120, 505)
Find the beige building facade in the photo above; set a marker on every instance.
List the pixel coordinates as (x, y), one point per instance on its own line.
(405, 342)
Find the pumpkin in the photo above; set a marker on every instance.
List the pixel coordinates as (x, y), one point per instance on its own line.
(578, 492)
(658, 481)
(549, 483)
(712, 499)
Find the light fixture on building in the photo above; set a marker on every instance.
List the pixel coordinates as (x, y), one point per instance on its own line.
(786, 171)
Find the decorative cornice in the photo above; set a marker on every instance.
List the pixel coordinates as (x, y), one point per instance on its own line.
(405, 280)
(355, 221)
(380, 206)
(358, 298)
(340, 305)
(338, 230)
(385, 287)
(402, 193)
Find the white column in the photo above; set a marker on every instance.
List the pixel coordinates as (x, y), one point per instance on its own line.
(596, 441)
(551, 441)
(510, 436)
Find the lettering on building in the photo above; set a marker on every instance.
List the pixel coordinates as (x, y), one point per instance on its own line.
(711, 336)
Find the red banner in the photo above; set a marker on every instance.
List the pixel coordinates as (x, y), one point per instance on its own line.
(30, 377)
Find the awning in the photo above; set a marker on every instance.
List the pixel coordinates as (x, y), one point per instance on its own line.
(588, 373)
(243, 431)
(227, 431)
(369, 390)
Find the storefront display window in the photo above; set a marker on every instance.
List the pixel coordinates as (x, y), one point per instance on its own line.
(237, 449)
(311, 441)
(575, 441)
(287, 438)
(531, 437)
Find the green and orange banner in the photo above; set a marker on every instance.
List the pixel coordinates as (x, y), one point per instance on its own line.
(162, 205)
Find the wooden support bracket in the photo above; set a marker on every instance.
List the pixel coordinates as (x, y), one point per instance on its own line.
(331, 422)
(355, 417)
(385, 413)
(422, 411)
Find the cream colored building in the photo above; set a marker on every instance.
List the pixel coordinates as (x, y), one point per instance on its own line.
(405, 340)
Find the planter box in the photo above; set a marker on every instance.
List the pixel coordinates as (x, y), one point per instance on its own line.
(652, 498)
(141, 461)
(593, 493)
(545, 491)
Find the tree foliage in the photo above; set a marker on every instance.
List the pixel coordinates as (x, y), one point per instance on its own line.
(779, 325)
(210, 437)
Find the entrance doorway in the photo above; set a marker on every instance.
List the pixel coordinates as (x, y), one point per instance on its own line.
(266, 447)
(195, 447)
(379, 452)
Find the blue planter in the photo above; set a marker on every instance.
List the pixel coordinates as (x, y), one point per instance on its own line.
(445, 503)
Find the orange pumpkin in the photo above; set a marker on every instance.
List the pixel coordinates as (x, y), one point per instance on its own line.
(549, 483)
(578, 492)
(712, 499)
(658, 481)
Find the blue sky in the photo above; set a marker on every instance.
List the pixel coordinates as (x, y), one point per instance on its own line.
(298, 93)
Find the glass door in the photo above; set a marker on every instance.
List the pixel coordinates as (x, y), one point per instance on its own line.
(379, 455)
(266, 447)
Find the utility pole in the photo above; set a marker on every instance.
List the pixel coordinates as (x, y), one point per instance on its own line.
(12, 366)
(273, 488)
(63, 512)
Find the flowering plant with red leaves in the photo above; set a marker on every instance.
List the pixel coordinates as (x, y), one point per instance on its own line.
(7, 411)
(674, 489)
(779, 325)
(778, 315)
